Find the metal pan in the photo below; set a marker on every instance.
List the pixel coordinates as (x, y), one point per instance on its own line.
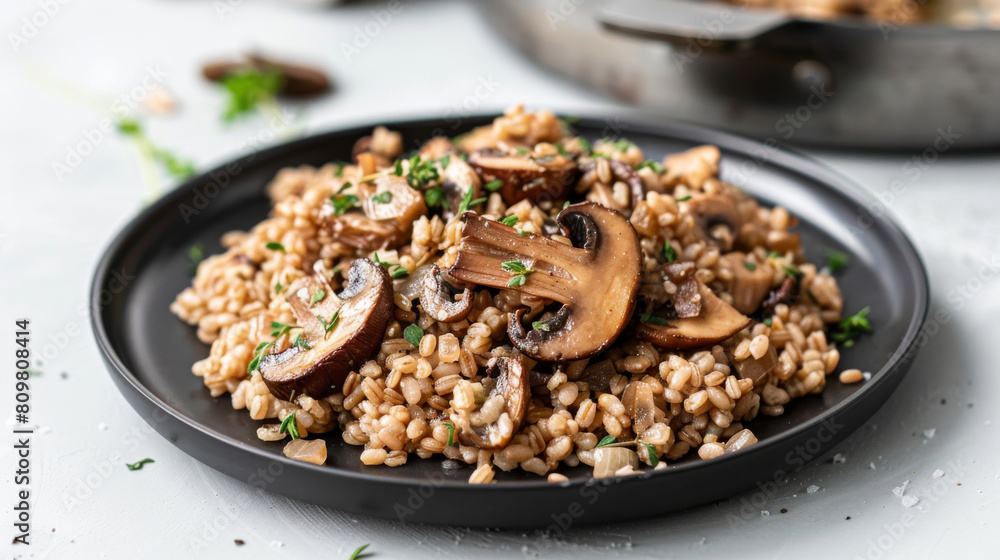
(845, 82)
(149, 352)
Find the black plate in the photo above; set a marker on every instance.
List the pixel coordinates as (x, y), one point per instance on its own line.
(149, 351)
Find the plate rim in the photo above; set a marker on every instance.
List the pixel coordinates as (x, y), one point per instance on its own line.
(779, 155)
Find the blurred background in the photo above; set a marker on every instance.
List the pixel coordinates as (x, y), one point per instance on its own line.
(110, 104)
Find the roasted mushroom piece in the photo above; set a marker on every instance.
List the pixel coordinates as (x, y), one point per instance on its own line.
(387, 218)
(522, 177)
(786, 293)
(438, 298)
(755, 369)
(296, 80)
(341, 332)
(596, 280)
(499, 418)
(750, 281)
(718, 321)
(716, 215)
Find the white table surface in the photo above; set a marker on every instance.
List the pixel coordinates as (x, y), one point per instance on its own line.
(428, 60)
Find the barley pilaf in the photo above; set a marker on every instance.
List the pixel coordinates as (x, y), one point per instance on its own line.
(516, 298)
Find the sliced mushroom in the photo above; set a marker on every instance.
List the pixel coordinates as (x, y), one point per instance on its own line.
(717, 322)
(507, 390)
(389, 213)
(638, 401)
(692, 167)
(596, 279)
(620, 171)
(536, 179)
(436, 148)
(363, 310)
(438, 298)
(687, 297)
(750, 281)
(412, 285)
(456, 180)
(297, 80)
(712, 211)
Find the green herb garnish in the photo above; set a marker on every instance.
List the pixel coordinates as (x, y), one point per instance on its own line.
(522, 151)
(317, 297)
(331, 324)
(278, 287)
(275, 246)
(584, 144)
(652, 164)
(343, 202)
(249, 89)
(650, 318)
(138, 465)
(651, 451)
(398, 168)
(750, 266)
(606, 440)
(399, 273)
(258, 353)
(668, 252)
(196, 254)
(836, 261)
(357, 553)
(289, 426)
(769, 321)
(445, 161)
(541, 326)
(433, 197)
(509, 220)
(340, 168)
(451, 433)
(519, 270)
(852, 327)
(623, 145)
(467, 201)
(300, 342)
(684, 198)
(174, 166)
(422, 173)
(413, 334)
(493, 185)
(383, 197)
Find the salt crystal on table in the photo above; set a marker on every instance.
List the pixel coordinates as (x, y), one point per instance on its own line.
(929, 433)
(871, 465)
(102, 426)
(867, 375)
(764, 512)
(812, 489)
(900, 490)
(910, 501)
(938, 473)
(839, 459)
(277, 544)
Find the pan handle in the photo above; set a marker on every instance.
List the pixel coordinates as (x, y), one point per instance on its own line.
(710, 24)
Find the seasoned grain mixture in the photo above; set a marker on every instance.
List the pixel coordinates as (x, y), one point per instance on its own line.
(516, 298)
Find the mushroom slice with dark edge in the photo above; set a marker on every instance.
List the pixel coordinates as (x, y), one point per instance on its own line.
(787, 293)
(620, 171)
(456, 179)
(296, 80)
(596, 279)
(389, 213)
(522, 177)
(712, 211)
(438, 298)
(718, 321)
(507, 391)
(350, 332)
(750, 282)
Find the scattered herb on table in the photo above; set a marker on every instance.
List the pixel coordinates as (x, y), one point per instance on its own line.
(359, 552)
(138, 465)
(250, 90)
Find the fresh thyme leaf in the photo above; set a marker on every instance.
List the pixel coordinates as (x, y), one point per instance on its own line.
(562, 151)
(837, 261)
(344, 187)
(522, 151)
(433, 197)
(399, 273)
(279, 329)
(584, 144)
(278, 287)
(684, 198)
(196, 254)
(300, 342)
(516, 281)
(493, 185)
(565, 205)
(750, 266)
(130, 127)
(651, 451)
(383, 197)
(467, 201)
(275, 246)
(668, 252)
(791, 270)
(515, 267)
(317, 297)
(289, 426)
(623, 145)
(652, 164)
(332, 323)
(606, 440)
(541, 326)
(413, 334)
(398, 168)
(258, 355)
(340, 168)
(247, 89)
(769, 321)
(509, 220)
(451, 433)
(570, 119)
(477, 201)
(523, 233)
(343, 202)
(176, 167)
(852, 327)
(445, 161)
(138, 465)
(422, 173)
(650, 318)
(357, 553)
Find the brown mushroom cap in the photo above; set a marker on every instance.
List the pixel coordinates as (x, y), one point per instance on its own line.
(438, 298)
(507, 381)
(711, 210)
(365, 308)
(596, 279)
(382, 224)
(456, 180)
(749, 287)
(523, 177)
(297, 80)
(620, 171)
(717, 322)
